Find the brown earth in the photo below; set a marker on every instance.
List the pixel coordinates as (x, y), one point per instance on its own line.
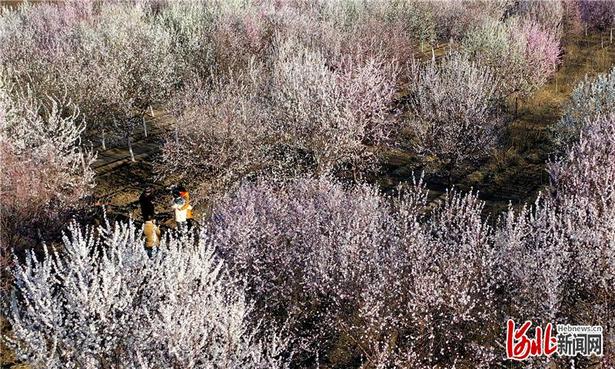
(516, 172)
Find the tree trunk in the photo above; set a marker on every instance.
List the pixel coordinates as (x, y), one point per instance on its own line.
(151, 111)
(103, 142)
(132, 154)
(144, 125)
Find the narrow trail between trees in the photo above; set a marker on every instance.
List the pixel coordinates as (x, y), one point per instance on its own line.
(144, 147)
(119, 180)
(516, 172)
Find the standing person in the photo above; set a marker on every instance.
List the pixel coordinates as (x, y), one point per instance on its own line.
(183, 193)
(146, 201)
(152, 237)
(182, 207)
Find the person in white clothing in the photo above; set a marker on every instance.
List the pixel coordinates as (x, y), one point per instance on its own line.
(182, 210)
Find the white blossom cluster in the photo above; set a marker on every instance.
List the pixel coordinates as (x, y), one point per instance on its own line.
(101, 302)
(591, 98)
(455, 110)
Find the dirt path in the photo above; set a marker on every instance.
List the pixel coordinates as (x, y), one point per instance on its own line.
(120, 181)
(143, 147)
(516, 172)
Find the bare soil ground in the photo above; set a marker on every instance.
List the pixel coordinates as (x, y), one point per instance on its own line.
(515, 173)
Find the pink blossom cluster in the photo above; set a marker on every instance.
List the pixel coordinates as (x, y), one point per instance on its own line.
(45, 172)
(294, 116)
(523, 53)
(398, 281)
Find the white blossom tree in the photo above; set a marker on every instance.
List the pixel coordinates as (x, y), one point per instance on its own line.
(332, 116)
(591, 98)
(190, 25)
(455, 114)
(101, 302)
(454, 19)
(124, 66)
(221, 134)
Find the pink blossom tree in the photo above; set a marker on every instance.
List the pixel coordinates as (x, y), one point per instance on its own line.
(557, 259)
(45, 171)
(353, 270)
(522, 53)
(366, 30)
(298, 116)
(241, 34)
